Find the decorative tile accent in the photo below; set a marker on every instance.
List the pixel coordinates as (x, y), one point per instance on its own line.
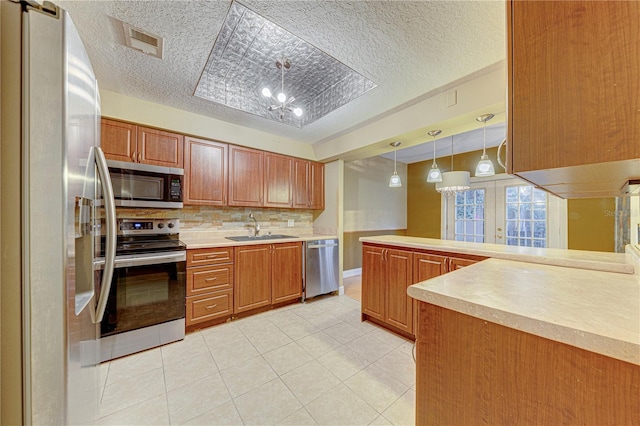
(243, 61)
(228, 220)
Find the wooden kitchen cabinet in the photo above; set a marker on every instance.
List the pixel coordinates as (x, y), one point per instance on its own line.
(267, 274)
(118, 140)
(205, 172)
(429, 265)
(574, 95)
(286, 272)
(308, 185)
(210, 277)
(386, 274)
(278, 184)
(136, 144)
(246, 177)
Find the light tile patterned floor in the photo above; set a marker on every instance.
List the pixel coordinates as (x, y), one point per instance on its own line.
(305, 364)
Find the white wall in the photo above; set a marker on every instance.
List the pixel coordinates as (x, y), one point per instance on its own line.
(330, 220)
(369, 203)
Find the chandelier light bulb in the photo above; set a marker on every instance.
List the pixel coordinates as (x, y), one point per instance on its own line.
(281, 97)
(266, 92)
(297, 112)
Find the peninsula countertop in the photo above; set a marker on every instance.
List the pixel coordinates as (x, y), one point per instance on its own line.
(598, 261)
(204, 239)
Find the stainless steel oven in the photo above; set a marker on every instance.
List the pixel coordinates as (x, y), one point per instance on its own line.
(145, 185)
(145, 306)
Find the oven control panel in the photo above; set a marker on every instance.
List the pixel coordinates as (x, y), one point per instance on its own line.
(148, 226)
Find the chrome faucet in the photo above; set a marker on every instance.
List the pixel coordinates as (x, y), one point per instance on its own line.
(256, 225)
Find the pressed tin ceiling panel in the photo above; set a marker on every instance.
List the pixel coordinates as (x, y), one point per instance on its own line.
(243, 61)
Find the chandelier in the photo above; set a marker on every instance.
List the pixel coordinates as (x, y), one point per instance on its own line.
(283, 103)
(453, 182)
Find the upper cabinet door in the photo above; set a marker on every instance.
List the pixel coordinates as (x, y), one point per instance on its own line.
(574, 95)
(118, 140)
(205, 172)
(278, 185)
(160, 148)
(300, 184)
(246, 176)
(308, 185)
(316, 186)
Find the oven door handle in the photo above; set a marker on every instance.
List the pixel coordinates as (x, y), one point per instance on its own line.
(144, 260)
(110, 224)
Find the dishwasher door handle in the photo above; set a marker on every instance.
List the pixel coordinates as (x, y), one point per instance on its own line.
(315, 246)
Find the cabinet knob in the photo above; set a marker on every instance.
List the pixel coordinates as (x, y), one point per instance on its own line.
(133, 156)
(211, 279)
(139, 158)
(499, 236)
(212, 306)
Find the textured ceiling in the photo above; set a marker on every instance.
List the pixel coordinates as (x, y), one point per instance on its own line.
(407, 48)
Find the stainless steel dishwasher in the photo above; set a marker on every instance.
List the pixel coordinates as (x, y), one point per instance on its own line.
(321, 267)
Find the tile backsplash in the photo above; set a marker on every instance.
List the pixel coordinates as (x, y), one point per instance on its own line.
(229, 221)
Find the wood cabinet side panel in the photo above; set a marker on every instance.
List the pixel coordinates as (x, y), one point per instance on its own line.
(205, 172)
(118, 140)
(278, 185)
(374, 281)
(575, 88)
(286, 272)
(160, 148)
(471, 371)
(246, 177)
(252, 278)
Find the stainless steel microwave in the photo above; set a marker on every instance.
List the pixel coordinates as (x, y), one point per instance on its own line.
(145, 185)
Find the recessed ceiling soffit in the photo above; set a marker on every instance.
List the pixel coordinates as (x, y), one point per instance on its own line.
(243, 62)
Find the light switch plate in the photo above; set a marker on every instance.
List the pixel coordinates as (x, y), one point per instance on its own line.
(290, 223)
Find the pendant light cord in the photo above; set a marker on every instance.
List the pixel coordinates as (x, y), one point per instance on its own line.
(394, 160)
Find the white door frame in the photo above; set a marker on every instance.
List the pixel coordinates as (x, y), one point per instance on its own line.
(556, 211)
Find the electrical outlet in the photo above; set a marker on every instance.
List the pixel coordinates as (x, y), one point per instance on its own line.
(290, 223)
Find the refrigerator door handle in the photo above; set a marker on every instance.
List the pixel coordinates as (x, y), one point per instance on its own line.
(110, 232)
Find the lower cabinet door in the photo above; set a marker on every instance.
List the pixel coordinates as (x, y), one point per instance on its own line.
(286, 272)
(374, 273)
(209, 306)
(252, 278)
(399, 306)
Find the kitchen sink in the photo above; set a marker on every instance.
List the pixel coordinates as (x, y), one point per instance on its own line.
(260, 237)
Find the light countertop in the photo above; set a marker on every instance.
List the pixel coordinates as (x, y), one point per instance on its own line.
(593, 310)
(196, 240)
(599, 261)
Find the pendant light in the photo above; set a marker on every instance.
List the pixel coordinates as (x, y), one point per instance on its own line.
(485, 166)
(434, 174)
(395, 181)
(452, 181)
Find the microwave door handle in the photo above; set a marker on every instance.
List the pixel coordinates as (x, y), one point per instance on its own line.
(110, 224)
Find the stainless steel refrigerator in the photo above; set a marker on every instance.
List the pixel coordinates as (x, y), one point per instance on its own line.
(50, 147)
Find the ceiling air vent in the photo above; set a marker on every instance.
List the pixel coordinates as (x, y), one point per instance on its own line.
(143, 41)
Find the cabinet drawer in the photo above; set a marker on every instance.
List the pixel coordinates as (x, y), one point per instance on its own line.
(208, 279)
(209, 306)
(201, 257)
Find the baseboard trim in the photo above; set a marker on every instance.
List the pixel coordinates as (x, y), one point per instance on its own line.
(352, 273)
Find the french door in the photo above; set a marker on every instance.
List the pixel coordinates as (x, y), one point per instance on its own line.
(505, 210)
